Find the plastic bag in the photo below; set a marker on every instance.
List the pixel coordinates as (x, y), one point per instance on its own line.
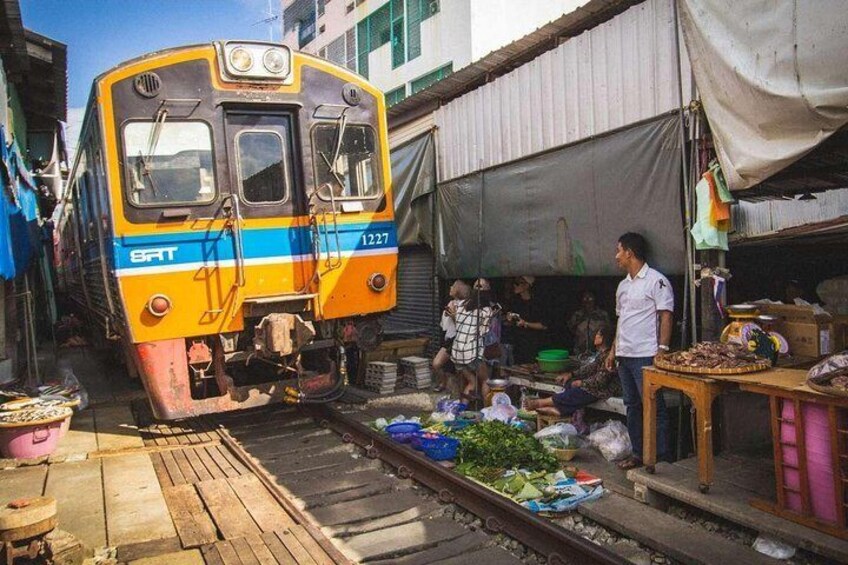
(612, 440)
(773, 547)
(70, 382)
(560, 436)
(501, 408)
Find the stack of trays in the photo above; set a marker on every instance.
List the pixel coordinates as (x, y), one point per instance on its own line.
(381, 377)
(416, 372)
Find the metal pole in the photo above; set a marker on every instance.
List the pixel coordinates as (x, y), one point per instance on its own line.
(687, 188)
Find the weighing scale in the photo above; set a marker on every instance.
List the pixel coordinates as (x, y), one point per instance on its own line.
(755, 331)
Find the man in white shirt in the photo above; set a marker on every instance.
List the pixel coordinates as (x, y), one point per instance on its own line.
(644, 303)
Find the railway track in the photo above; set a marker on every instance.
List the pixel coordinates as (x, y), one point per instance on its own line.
(382, 502)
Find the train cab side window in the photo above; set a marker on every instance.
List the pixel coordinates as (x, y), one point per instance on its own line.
(262, 165)
(169, 162)
(355, 173)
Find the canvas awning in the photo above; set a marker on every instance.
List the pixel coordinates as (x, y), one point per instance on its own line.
(772, 79)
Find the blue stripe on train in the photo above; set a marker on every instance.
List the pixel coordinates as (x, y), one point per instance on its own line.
(261, 243)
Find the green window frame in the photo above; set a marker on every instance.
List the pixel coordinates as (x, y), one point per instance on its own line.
(396, 95)
(431, 78)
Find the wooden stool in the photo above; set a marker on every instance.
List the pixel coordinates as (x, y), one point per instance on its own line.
(545, 420)
(23, 523)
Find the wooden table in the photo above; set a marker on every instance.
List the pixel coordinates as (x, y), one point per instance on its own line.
(779, 385)
(702, 391)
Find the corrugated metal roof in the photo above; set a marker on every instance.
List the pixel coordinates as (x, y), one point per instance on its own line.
(507, 58)
(617, 74)
(777, 219)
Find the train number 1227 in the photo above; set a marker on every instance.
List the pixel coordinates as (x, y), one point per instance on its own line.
(374, 239)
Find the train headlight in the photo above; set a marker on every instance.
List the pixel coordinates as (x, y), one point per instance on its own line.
(275, 61)
(255, 61)
(377, 282)
(158, 305)
(241, 59)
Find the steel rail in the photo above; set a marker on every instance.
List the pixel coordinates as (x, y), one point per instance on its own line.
(499, 514)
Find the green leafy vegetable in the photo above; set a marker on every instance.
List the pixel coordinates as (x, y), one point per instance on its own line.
(498, 445)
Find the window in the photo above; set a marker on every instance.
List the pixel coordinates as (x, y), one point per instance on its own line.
(355, 174)
(262, 166)
(414, 15)
(350, 48)
(398, 34)
(363, 46)
(321, 7)
(169, 163)
(431, 78)
(396, 95)
(321, 29)
(349, 8)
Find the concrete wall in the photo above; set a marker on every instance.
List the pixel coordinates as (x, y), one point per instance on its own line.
(445, 38)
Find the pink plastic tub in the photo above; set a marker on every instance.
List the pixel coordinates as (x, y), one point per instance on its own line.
(819, 460)
(27, 442)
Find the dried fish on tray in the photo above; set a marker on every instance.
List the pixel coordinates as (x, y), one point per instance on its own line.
(715, 358)
(30, 416)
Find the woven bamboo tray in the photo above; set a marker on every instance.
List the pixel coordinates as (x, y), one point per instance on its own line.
(660, 363)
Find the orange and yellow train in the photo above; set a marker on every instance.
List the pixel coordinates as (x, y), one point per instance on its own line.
(231, 203)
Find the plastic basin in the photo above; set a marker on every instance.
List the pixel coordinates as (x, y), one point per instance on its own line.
(31, 441)
(440, 448)
(402, 432)
(553, 354)
(552, 365)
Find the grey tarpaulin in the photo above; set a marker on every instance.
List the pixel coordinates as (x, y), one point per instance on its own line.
(772, 77)
(561, 212)
(413, 183)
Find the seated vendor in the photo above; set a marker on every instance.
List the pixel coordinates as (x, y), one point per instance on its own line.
(585, 322)
(525, 324)
(589, 384)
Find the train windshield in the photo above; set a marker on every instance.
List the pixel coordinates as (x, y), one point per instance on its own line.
(354, 174)
(169, 162)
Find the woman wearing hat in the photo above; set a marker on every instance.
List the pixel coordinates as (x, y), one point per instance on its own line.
(524, 320)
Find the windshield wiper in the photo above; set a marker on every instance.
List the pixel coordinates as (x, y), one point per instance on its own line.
(341, 125)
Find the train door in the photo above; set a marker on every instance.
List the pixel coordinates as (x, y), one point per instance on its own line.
(275, 244)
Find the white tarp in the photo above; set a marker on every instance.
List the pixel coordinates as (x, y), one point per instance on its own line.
(772, 77)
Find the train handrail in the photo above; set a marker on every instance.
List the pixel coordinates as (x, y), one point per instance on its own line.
(238, 245)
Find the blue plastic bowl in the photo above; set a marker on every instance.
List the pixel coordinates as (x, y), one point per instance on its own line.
(441, 448)
(402, 432)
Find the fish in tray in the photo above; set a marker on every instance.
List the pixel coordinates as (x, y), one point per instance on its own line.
(710, 355)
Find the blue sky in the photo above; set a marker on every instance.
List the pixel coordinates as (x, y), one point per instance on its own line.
(101, 33)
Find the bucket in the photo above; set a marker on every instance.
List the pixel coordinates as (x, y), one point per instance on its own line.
(31, 441)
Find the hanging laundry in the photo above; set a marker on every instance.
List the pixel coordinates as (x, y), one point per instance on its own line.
(721, 184)
(706, 234)
(719, 211)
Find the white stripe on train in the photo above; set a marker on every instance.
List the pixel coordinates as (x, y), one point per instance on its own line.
(278, 260)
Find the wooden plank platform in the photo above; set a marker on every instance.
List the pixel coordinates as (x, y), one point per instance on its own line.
(116, 428)
(193, 524)
(78, 489)
(731, 502)
(288, 547)
(227, 511)
(674, 538)
(135, 508)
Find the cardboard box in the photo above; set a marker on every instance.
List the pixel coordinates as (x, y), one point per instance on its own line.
(809, 334)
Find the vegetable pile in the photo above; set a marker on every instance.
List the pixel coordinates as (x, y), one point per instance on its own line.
(497, 445)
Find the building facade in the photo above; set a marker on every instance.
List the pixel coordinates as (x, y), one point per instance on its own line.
(404, 46)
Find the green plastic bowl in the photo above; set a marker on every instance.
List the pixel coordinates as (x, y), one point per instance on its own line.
(552, 365)
(553, 354)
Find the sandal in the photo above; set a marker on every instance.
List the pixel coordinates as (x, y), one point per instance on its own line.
(630, 463)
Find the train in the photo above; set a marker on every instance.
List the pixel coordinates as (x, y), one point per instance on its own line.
(230, 206)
